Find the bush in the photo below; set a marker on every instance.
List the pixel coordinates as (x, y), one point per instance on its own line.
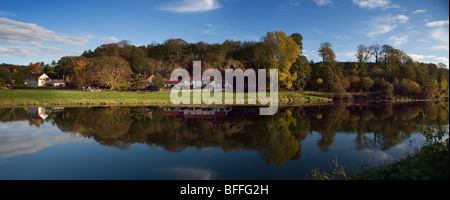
(406, 87)
(385, 88)
(366, 83)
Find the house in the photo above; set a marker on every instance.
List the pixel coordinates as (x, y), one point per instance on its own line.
(38, 80)
(197, 83)
(12, 81)
(58, 82)
(168, 83)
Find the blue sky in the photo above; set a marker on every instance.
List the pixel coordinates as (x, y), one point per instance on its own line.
(34, 31)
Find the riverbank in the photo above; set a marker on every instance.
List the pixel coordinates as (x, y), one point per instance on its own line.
(370, 96)
(30, 97)
(429, 162)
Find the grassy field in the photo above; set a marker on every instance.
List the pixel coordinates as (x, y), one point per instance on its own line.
(29, 97)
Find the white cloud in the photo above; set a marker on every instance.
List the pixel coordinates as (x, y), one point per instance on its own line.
(349, 55)
(439, 31)
(323, 2)
(385, 24)
(33, 41)
(440, 34)
(191, 6)
(212, 30)
(30, 51)
(440, 48)
(419, 11)
(111, 39)
(430, 58)
(381, 29)
(15, 32)
(402, 18)
(437, 23)
(398, 41)
(371, 4)
(36, 51)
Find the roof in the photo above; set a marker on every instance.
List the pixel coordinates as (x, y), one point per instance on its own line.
(168, 81)
(36, 76)
(211, 78)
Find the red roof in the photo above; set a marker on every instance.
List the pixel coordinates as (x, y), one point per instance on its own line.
(168, 81)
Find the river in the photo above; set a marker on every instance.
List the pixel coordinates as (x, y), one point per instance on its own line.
(202, 143)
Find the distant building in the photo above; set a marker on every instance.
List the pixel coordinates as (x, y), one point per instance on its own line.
(168, 83)
(12, 81)
(58, 83)
(38, 80)
(197, 83)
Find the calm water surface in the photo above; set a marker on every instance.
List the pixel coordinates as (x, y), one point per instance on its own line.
(207, 143)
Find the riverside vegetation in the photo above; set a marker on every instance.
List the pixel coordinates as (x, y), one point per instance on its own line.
(429, 162)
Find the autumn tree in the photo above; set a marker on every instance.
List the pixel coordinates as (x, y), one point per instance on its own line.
(112, 72)
(385, 89)
(303, 70)
(81, 69)
(327, 53)
(35, 68)
(279, 52)
(406, 87)
(366, 83)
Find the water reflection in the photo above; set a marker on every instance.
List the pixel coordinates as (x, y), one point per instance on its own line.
(277, 138)
(18, 139)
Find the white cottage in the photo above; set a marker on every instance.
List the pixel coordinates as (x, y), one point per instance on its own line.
(37, 80)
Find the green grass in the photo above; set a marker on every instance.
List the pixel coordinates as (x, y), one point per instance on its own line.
(64, 97)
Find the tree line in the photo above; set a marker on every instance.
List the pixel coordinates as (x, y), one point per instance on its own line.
(123, 66)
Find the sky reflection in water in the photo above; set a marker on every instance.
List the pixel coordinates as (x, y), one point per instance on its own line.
(219, 143)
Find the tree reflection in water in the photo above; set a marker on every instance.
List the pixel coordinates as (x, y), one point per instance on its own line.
(277, 138)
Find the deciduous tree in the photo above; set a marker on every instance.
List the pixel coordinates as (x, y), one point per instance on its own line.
(362, 54)
(111, 72)
(327, 53)
(280, 52)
